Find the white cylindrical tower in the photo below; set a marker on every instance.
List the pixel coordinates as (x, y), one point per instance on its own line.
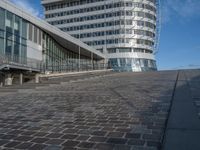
(124, 30)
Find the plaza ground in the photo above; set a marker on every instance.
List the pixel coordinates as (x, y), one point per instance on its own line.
(104, 111)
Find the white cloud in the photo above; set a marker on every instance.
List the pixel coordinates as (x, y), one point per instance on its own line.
(25, 4)
(184, 9)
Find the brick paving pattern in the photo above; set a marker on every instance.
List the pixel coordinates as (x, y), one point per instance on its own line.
(120, 111)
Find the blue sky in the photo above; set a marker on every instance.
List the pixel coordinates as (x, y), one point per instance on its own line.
(180, 33)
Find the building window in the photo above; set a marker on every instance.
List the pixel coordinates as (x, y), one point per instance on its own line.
(30, 32)
(2, 19)
(24, 29)
(35, 34)
(1, 45)
(8, 47)
(40, 37)
(17, 25)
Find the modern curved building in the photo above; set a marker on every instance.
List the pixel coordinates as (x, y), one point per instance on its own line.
(124, 30)
(29, 45)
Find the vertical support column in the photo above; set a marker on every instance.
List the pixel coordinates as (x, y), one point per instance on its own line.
(79, 58)
(37, 78)
(92, 61)
(1, 80)
(8, 79)
(21, 78)
(104, 64)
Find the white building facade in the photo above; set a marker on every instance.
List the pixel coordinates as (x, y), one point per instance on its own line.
(124, 30)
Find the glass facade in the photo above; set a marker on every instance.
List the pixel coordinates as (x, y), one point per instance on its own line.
(132, 64)
(22, 43)
(58, 58)
(13, 37)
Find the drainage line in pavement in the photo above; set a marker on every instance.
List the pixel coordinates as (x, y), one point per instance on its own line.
(172, 99)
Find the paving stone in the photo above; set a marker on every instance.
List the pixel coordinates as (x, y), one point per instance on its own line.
(69, 148)
(70, 143)
(97, 139)
(25, 145)
(136, 142)
(152, 137)
(122, 147)
(15, 132)
(40, 134)
(119, 111)
(104, 146)
(83, 138)
(9, 136)
(39, 140)
(28, 133)
(53, 147)
(154, 144)
(116, 134)
(71, 131)
(2, 142)
(117, 140)
(23, 138)
(54, 135)
(38, 147)
(99, 133)
(12, 144)
(69, 136)
(132, 136)
(55, 141)
(87, 145)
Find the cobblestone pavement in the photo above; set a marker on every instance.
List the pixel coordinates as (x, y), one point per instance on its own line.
(122, 111)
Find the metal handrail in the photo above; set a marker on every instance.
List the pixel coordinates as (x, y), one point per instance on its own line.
(15, 60)
(7, 60)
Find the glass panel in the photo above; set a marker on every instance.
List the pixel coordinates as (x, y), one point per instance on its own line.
(142, 62)
(2, 19)
(35, 34)
(9, 22)
(23, 54)
(24, 29)
(124, 50)
(23, 41)
(16, 52)
(16, 38)
(8, 47)
(30, 32)
(145, 62)
(40, 37)
(122, 61)
(9, 36)
(17, 25)
(16, 48)
(1, 46)
(1, 33)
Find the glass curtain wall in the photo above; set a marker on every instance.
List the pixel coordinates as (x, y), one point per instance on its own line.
(14, 32)
(130, 64)
(58, 58)
(13, 36)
